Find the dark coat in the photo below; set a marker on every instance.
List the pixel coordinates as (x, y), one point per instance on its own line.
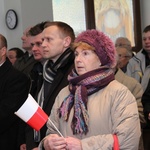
(36, 76)
(146, 103)
(59, 82)
(25, 63)
(14, 88)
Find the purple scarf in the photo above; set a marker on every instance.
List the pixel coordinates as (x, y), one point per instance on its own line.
(80, 88)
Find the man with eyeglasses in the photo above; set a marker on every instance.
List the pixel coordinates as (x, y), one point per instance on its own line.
(123, 42)
(124, 55)
(124, 50)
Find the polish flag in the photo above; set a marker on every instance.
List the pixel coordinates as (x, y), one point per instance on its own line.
(31, 113)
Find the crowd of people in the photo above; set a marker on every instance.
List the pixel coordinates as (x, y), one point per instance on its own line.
(90, 87)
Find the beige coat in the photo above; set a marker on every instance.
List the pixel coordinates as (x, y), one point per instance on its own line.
(136, 89)
(112, 110)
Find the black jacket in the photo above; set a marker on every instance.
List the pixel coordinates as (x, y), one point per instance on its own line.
(146, 103)
(36, 76)
(25, 63)
(14, 88)
(59, 82)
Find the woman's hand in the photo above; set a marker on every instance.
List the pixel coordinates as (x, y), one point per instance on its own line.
(54, 142)
(73, 144)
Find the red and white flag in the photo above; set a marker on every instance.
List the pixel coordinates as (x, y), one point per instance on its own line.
(32, 114)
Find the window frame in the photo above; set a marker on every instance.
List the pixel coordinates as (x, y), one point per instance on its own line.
(90, 21)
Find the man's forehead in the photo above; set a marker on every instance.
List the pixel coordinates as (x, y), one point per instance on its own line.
(121, 41)
(146, 34)
(37, 37)
(121, 49)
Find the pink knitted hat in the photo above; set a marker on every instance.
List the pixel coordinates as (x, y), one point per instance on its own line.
(103, 45)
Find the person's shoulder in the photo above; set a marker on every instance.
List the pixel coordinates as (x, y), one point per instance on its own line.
(125, 79)
(17, 62)
(115, 86)
(118, 92)
(64, 90)
(132, 84)
(131, 80)
(63, 93)
(138, 57)
(15, 73)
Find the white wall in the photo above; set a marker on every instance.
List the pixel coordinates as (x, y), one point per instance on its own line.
(145, 13)
(35, 11)
(30, 12)
(2, 22)
(13, 36)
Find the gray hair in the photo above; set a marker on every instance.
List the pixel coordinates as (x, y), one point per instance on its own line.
(123, 42)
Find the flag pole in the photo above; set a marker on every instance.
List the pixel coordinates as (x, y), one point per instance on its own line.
(55, 127)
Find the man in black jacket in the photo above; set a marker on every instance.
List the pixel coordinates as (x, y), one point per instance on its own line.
(14, 88)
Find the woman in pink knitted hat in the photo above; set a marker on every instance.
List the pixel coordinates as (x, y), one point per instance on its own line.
(94, 107)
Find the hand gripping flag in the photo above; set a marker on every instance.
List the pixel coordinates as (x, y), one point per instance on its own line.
(32, 114)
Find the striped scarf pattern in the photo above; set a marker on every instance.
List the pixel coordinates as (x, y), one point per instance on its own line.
(80, 88)
(49, 71)
(50, 68)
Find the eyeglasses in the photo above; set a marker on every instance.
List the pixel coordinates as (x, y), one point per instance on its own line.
(120, 45)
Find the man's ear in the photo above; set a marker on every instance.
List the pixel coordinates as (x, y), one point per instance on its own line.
(67, 41)
(4, 51)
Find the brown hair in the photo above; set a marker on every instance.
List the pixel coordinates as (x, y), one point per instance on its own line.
(146, 29)
(65, 29)
(37, 29)
(82, 45)
(19, 52)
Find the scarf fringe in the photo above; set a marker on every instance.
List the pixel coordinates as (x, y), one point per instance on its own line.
(80, 88)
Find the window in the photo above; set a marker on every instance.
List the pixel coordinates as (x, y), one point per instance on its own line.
(71, 12)
(134, 10)
(115, 18)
